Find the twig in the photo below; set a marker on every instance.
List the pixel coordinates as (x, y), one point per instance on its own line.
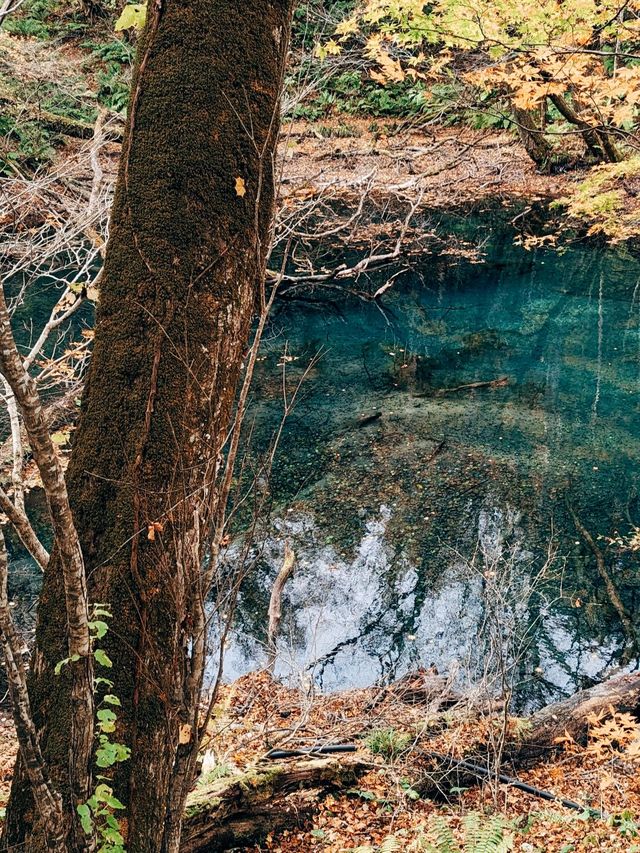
(612, 591)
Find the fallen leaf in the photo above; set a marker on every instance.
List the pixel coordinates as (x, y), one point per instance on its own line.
(152, 529)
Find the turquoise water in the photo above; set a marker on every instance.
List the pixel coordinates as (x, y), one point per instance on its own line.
(431, 521)
(421, 534)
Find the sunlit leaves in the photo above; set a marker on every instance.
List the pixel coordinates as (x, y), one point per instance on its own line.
(133, 16)
(536, 48)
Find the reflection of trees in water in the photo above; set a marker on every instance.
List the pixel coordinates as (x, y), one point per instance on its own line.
(553, 329)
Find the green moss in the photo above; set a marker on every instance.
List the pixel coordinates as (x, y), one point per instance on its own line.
(177, 297)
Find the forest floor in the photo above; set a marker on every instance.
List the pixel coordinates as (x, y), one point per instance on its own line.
(447, 166)
(51, 89)
(451, 166)
(395, 736)
(385, 810)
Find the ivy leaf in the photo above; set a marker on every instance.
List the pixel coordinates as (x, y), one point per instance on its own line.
(59, 665)
(105, 715)
(102, 658)
(99, 628)
(113, 836)
(85, 818)
(106, 755)
(104, 794)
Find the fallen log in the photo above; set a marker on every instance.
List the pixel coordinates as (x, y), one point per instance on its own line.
(238, 811)
(56, 123)
(539, 736)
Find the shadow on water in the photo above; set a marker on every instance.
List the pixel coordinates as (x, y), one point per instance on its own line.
(401, 522)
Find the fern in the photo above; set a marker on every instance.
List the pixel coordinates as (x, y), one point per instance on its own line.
(485, 835)
(481, 835)
(390, 845)
(441, 837)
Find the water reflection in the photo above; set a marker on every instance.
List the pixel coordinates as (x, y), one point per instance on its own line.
(400, 486)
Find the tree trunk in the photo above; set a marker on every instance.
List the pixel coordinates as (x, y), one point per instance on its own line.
(540, 738)
(569, 716)
(597, 139)
(185, 260)
(533, 139)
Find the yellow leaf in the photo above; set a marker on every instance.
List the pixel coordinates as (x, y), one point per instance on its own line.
(133, 15)
(347, 28)
(241, 187)
(185, 733)
(332, 48)
(60, 437)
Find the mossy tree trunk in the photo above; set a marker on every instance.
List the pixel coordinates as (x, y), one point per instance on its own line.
(532, 137)
(599, 142)
(185, 262)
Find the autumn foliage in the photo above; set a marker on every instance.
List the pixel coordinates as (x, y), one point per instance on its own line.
(564, 72)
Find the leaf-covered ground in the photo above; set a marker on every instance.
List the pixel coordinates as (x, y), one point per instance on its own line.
(255, 715)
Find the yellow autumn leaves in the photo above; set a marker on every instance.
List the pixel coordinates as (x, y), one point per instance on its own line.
(528, 49)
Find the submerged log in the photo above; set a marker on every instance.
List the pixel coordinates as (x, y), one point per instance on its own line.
(239, 811)
(499, 382)
(275, 603)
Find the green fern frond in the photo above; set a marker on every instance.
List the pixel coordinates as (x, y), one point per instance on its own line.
(442, 839)
(485, 835)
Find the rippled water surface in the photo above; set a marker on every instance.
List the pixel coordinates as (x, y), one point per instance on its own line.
(429, 518)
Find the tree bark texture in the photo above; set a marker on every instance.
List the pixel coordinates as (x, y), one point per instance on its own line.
(189, 233)
(244, 810)
(532, 137)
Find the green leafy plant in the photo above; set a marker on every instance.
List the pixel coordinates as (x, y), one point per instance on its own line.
(23, 143)
(115, 50)
(626, 824)
(388, 743)
(113, 90)
(114, 59)
(98, 814)
(409, 791)
(480, 834)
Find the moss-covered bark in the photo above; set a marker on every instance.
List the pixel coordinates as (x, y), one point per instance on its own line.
(241, 811)
(533, 139)
(184, 261)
